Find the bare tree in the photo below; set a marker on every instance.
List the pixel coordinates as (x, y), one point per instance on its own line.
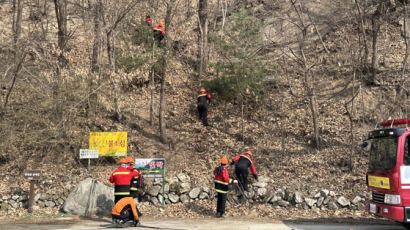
(362, 38)
(308, 77)
(17, 14)
(377, 19)
(162, 108)
(203, 36)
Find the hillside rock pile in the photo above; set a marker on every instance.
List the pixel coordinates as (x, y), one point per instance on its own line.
(91, 196)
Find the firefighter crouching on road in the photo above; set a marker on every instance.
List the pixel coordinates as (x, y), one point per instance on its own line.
(221, 186)
(121, 179)
(242, 163)
(203, 100)
(125, 210)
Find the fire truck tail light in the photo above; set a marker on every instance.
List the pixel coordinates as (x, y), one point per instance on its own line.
(392, 199)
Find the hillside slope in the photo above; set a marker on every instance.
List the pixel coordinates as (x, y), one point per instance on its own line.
(277, 128)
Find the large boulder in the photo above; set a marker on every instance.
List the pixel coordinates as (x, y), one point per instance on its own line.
(90, 197)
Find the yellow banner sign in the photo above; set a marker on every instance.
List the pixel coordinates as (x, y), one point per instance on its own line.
(379, 182)
(109, 143)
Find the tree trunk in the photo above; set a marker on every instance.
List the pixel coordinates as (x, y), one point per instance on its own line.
(95, 57)
(152, 85)
(162, 106)
(376, 23)
(364, 40)
(61, 15)
(17, 13)
(203, 37)
(60, 7)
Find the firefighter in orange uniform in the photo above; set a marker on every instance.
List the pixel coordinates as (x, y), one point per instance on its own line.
(121, 178)
(203, 100)
(125, 210)
(221, 186)
(136, 182)
(159, 32)
(242, 163)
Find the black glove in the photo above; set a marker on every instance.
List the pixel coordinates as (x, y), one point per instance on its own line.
(255, 176)
(232, 163)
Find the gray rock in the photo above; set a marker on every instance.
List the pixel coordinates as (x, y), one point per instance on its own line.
(43, 196)
(13, 204)
(157, 182)
(184, 187)
(194, 193)
(184, 178)
(35, 207)
(15, 197)
(268, 196)
(203, 196)
(326, 200)
(342, 201)
(263, 179)
(332, 193)
(166, 188)
(5, 197)
(324, 192)
(356, 200)
(317, 195)
(275, 199)
(320, 201)
(205, 189)
(60, 201)
(261, 192)
(49, 204)
(310, 202)
(90, 197)
(260, 184)
(160, 199)
(297, 197)
(154, 200)
(332, 205)
(283, 203)
(184, 198)
(154, 190)
(174, 198)
(280, 193)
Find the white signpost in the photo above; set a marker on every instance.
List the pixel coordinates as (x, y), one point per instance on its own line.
(88, 154)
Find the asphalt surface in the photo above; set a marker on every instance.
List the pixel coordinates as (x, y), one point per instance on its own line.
(203, 224)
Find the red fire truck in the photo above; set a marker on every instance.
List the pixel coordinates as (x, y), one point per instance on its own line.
(388, 175)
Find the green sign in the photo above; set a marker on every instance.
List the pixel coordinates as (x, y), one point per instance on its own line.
(151, 167)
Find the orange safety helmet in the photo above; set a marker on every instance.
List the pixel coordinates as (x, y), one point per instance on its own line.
(249, 152)
(202, 90)
(224, 160)
(161, 23)
(122, 161)
(129, 160)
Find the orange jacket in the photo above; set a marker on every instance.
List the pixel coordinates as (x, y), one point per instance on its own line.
(124, 205)
(159, 28)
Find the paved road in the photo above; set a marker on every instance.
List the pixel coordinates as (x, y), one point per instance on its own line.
(203, 224)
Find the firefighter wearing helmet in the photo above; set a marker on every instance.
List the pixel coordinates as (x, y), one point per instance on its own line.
(203, 100)
(221, 186)
(159, 32)
(242, 163)
(121, 179)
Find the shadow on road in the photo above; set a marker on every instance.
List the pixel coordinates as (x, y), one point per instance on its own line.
(342, 224)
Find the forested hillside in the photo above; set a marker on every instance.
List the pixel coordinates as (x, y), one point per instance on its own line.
(299, 83)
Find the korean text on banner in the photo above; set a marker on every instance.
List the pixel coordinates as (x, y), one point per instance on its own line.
(151, 167)
(109, 143)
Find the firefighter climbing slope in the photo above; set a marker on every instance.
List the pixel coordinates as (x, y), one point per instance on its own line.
(221, 186)
(203, 100)
(242, 163)
(159, 32)
(121, 178)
